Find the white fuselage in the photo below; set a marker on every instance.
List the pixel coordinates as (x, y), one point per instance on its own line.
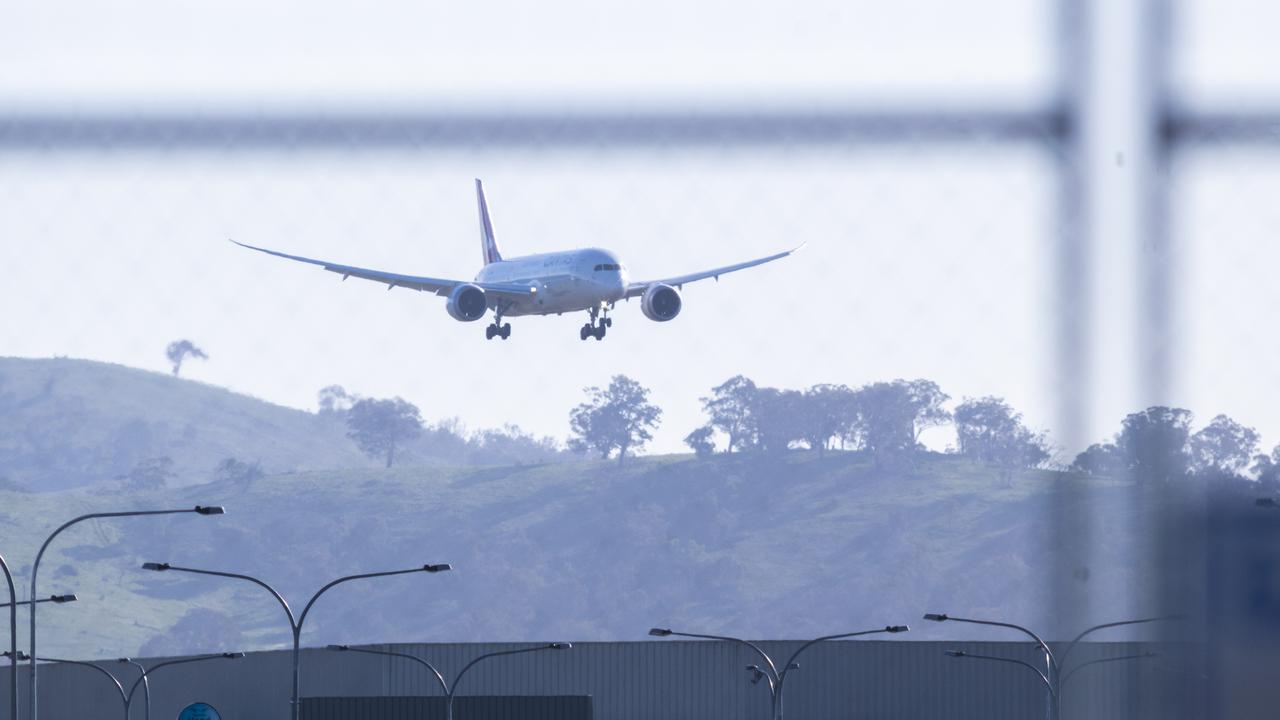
(566, 281)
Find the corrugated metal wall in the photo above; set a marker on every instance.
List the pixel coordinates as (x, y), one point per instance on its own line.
(673, 680)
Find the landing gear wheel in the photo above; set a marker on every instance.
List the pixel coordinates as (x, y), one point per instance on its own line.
(506, 331)
(599, 332)
(585, 332)
(607, 322)
(490, 331)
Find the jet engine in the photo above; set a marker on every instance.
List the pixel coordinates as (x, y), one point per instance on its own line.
(660, 302)
(467, 303)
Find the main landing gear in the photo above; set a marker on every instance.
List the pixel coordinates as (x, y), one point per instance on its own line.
(597, 326)
(497, 328)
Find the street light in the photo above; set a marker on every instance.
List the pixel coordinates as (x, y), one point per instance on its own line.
(776, 678)
(146, 674)
(13, 633)
(450, 691)
(35, 569)
(13, 640)
(1053, 678)
(124, 701)
(295, 623)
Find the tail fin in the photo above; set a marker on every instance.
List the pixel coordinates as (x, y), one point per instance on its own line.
(488, 244)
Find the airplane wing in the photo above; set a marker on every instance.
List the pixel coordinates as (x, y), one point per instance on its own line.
(439, 286)
(638, 288)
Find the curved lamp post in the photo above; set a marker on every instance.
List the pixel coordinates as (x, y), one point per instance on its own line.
(13, 653)
(444, 685)
(448, 704)
(146, 674)
(13, 640)
(439, 677)
(146, 686)
(124, 702)
(295, 622)
(35, 569)
(776, 678)
(1052, 676)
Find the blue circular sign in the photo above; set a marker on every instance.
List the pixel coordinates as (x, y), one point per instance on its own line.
(199, 711)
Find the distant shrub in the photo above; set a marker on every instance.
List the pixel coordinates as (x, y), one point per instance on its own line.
(700, 441)
(237, 472)
(151, 474)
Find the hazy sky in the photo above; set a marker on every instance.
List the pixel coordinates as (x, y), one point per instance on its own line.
(922, 261)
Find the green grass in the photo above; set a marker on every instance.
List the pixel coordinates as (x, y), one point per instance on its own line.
(790, 546)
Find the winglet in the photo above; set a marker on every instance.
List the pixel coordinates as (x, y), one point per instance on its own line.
(488, 244)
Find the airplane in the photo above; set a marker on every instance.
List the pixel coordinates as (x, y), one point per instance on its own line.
(588, 279)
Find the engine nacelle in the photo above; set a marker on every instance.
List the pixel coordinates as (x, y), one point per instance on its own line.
(467, 303)
(660, 302)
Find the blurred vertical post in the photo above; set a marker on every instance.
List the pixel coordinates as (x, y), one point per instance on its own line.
(13, 640)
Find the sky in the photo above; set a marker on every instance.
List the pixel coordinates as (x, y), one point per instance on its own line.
(922, 261)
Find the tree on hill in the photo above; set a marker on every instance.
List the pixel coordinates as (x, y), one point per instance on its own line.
(378, 427)
(1223, 447)
(891, 416)
(179, 350)
(1266, 469)
(700, 441)
(335, 400)
(729, 409)
(827, 411)
(618, 417)
(989, 430)
(1154, 443)
(778, 418)
(1100, 460)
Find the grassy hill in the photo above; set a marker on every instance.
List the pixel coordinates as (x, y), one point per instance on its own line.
(790, 546)
(65, 423)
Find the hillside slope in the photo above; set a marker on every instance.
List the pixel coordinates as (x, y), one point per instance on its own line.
(790, 546)
(65, 423)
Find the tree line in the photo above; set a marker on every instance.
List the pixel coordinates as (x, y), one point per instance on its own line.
(883, 419)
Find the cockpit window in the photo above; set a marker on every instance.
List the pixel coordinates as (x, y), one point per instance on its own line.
(608, 266)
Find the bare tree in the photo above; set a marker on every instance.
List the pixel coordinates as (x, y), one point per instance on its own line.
(179, 350)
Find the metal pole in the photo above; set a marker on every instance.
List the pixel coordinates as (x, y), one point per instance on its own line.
(147, 673)
(124, 701)
(1048, 681)
(439, 677)
(775, 678)
(146, 686)
(13, 640)
(457, 680)
(791, 661)
(35, 569)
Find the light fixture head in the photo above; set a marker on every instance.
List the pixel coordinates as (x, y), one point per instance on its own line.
(158, 567)
(897, 629)
(955, 653)
(210, 510)
(441, 567)
(936, 617)
(659, 632)
(561, 646)
(233, 655)
(69, 597)
(338, 648)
